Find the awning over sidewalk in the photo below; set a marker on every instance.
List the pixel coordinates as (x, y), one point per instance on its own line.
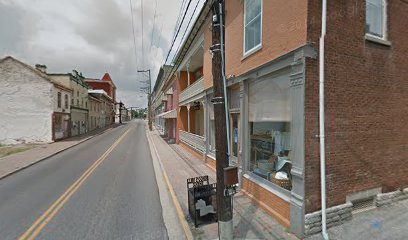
(169, 114)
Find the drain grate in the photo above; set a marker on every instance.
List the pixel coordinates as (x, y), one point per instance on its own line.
(363, 205)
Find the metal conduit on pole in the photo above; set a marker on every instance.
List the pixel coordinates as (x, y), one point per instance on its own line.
(227, 122)
(321, 122)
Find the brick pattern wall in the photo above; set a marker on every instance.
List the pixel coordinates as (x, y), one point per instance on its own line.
(273, 205)
(366, 104)
(283, 30)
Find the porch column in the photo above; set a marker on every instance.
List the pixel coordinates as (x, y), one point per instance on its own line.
(188, 117)
(188, 74)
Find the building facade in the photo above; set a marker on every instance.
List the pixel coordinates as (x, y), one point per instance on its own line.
(272, 71)
(107, 85)
(36, 109)
(164, 104)
(79, 100)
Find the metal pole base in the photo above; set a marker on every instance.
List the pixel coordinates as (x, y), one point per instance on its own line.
(225, 230)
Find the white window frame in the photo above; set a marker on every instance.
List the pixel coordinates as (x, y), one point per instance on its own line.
(384, 22)
(259, 46)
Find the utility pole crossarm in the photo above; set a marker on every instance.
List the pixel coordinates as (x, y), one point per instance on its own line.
(149, 100)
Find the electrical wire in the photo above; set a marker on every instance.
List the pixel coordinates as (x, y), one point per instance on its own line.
(178, 18)
(141, 3)
(171, 72)
(154, 22)
(188, 24)
(133, 31)
(174, 40)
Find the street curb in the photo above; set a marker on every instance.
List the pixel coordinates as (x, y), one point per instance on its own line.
(187, 231)
(53, 154)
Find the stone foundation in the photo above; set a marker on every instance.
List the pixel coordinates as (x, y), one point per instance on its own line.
(391, 197)
(335, 216)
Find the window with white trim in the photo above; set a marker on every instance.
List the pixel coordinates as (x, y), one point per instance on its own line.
(252, 24)
(376, 18)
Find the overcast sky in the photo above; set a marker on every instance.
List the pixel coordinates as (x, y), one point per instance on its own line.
(93, 37)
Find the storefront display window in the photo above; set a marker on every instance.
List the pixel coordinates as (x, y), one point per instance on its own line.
(269, 129)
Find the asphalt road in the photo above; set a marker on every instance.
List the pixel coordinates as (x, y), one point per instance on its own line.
(100, 189)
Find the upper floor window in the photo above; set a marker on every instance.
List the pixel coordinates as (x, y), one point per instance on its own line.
(66, 100)
(252, 25)
(59, 99)
(376, 19)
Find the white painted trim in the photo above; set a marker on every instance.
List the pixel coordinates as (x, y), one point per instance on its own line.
(374, 38)
(257, 47)
(211, 155)
(192, 51)
(385, 20)
(252, 51)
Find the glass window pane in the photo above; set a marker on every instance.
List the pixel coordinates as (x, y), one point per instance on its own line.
(253, 18)
(252, 9)
(375, 17)
(270, 130)
(253, 34)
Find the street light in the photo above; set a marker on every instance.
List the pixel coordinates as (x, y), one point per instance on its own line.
(149, 99)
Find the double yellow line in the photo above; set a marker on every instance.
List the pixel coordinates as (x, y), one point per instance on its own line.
(46, 217)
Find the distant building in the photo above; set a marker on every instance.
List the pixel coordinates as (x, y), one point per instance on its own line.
(106, 84)
(79, 99)
(34, 107)
(100, 109)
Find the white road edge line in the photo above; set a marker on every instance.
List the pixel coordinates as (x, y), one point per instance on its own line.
(178, 211)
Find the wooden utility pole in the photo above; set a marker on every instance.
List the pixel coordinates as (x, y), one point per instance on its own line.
(149, 99)
(224, 206)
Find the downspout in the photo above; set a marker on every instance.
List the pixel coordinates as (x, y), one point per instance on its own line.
(321, 122)
(227, 123)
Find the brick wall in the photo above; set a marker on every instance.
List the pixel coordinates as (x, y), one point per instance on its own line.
(272, 204)
(366, 104)
(182, 81)
(283, 29)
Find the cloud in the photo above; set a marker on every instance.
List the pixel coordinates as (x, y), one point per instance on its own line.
(92, 36)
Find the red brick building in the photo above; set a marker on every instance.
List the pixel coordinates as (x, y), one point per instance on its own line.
(106, 84)
(272, 69)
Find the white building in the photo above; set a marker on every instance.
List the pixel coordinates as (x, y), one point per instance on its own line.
(33, 108)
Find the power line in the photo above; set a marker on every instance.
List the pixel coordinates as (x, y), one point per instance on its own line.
(178, 18)
(158, 43)
(195, 35)
(133, 31)
(154, 22)
(188, 24)
(141, 3)
(174, 40)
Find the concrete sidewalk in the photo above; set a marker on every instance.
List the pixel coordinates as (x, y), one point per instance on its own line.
(250, 221)
(19, 161)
